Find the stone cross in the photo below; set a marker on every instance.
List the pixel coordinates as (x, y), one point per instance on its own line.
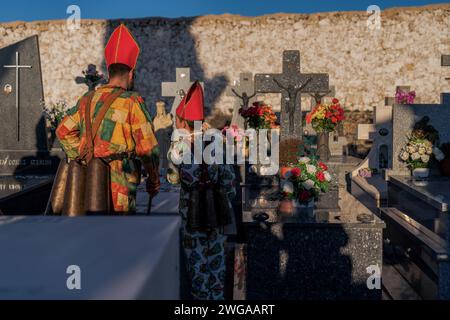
(290, 83)
(178, 88)
(244, 93)
(17, 66)
(445, 62)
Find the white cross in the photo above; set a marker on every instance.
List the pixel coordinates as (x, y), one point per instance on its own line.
(178, 88)
(17, 66)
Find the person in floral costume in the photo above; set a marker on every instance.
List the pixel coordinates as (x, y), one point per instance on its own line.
(204, 250)
(126, 131)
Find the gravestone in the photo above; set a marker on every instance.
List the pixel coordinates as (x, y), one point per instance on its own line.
(178, 88)
(291, 83)
(380, 132)
(25, 159)
(403, 119)
(244, 93)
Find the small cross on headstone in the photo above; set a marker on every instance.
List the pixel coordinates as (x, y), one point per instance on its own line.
(178, 88)
(17, 66)
(244, 93)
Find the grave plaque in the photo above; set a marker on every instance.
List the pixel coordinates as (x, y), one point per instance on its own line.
(291, 83)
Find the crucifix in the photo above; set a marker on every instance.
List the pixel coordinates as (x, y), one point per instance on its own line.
(178, 88)
(17, 66)
(244, 91)
(290, 83)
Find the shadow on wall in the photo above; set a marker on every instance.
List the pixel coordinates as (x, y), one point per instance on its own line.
(167, 44)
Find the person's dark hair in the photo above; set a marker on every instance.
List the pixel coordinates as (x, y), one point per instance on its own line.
(118, 69)
(189, 122)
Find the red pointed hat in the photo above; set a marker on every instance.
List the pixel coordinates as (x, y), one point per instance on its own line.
(122, 48)
(191, 107)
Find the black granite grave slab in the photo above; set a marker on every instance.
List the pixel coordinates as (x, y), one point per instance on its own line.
(325, 258)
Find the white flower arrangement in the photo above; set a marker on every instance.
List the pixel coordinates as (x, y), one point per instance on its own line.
(418, 151)
(54, 113)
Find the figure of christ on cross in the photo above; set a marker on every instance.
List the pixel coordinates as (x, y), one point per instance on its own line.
(244, 98)
(292, 92)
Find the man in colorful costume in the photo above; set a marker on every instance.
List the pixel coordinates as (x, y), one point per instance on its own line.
(204, 249)
(125, 133)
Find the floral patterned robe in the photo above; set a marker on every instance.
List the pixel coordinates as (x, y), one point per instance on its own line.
(205, 251)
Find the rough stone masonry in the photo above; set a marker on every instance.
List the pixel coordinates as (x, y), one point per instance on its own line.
(364, 64)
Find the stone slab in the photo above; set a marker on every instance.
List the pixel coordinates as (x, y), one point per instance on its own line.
(119, 257)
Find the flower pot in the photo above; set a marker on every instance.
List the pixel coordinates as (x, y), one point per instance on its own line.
(421, 173)
(323, 149)
(295, 209)
(444, 167)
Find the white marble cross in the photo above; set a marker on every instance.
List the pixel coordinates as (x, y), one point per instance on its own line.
(17, 66)
(178, 88)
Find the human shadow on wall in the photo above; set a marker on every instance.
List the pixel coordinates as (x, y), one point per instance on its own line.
(167, 44)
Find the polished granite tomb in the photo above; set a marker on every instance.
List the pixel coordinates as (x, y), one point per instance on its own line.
(324, 258)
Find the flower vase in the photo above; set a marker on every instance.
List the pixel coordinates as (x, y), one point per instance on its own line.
(421, 173)
(323, 149)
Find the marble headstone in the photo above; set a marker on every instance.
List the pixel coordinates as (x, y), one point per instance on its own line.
(23, 136)
(24, 152)
(405, 117)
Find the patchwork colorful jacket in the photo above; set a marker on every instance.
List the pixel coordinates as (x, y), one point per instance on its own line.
(127, 127)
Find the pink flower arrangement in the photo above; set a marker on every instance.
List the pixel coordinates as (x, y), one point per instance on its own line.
(236, 132)
(402, 97)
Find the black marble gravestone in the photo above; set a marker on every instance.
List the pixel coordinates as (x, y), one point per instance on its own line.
(25, 159)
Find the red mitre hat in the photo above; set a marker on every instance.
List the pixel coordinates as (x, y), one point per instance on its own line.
(122, 48)
(191, 107)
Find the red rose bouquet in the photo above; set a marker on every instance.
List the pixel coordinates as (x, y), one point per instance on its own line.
(326, 117)
(260, 116)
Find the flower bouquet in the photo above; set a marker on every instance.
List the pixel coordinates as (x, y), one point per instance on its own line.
(418, 152)
(259, 116)
(324, 118)
(402, 97)
(238, 137)
(301, 184)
